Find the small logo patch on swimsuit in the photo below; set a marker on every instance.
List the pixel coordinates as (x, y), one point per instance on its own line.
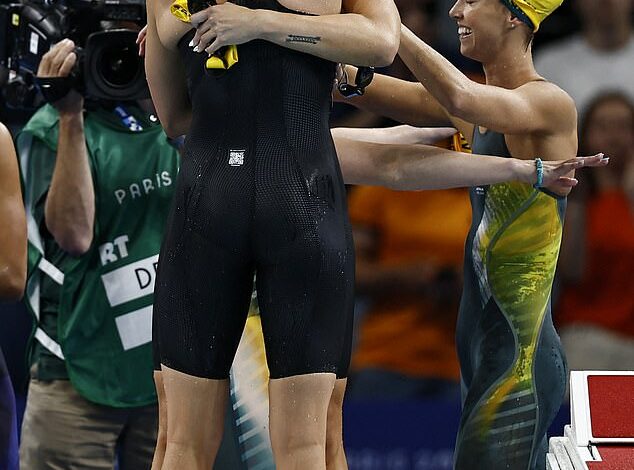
(236, 157)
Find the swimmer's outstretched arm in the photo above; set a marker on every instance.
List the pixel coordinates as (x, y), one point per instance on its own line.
(365, 33)
(13, 231)
(420, 167)
(404, 134)
(531, 108)
(164, 70)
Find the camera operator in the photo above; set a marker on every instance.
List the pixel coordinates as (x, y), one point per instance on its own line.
(98, 182)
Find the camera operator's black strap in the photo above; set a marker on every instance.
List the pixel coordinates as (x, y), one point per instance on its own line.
(54, 88)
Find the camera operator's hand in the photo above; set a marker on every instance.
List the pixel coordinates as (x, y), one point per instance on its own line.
(58, 62)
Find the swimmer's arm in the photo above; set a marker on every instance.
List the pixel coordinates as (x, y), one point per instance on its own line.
(365, 33)
(165, 77)
(13, 229)
(400, 100)
(519, 111)
(397, 134)
(421, 167)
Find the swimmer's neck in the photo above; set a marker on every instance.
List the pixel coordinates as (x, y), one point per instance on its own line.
(510, 70)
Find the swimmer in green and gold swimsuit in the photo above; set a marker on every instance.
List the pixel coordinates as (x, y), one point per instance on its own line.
(512, 364)
(511, 360)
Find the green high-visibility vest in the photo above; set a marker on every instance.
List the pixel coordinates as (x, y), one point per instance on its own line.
(104, 315)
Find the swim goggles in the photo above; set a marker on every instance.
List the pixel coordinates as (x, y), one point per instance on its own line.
(361, 81)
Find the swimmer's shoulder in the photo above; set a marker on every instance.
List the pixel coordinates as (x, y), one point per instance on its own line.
(8, 160)
(553, 101)
(5, 137)
(169, 28)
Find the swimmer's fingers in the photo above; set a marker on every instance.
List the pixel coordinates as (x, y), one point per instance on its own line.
(204, 22)
(551, 175)
(206, 39)
(203, 37)
(141, 39)
(567, 182)
(597, 160)
(556, 169)
(559, 168)
(228, 24)
(563, 186)
(217, 44)
(197, 19)
(557, 174)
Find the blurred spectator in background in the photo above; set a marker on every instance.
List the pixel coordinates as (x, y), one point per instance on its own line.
(596, 309)
(409, 249)
(12, 279)
(98, 186)
(419, 16)
(599, 58)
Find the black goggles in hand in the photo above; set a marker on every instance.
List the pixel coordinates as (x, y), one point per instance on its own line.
(362, 80)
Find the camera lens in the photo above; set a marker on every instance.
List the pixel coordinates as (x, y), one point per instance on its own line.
(112, 68)
(118, 65)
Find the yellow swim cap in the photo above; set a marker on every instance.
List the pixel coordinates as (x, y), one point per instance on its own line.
(532, 12)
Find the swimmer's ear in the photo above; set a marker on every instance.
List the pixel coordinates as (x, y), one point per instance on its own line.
(514, 22)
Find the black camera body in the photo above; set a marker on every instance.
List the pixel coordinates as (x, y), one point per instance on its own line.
(108, 66)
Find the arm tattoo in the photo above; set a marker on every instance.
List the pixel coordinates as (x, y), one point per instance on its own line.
(304, 39)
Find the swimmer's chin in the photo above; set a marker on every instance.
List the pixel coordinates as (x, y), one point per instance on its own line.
(467, 50)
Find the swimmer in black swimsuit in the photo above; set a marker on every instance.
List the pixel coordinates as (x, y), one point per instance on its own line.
(259, 190)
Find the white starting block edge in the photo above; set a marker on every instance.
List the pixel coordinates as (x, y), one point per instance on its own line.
(559, 453)
(551, 462)
(581, 434)
(579, 455)
(564, 455)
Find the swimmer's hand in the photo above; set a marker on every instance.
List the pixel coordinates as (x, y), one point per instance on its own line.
(140, 40)
(556, 173)
(224, 25)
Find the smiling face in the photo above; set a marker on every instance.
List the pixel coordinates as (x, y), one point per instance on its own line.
(483, 27)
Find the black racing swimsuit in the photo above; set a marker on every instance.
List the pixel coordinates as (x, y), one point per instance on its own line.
(259, 190)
